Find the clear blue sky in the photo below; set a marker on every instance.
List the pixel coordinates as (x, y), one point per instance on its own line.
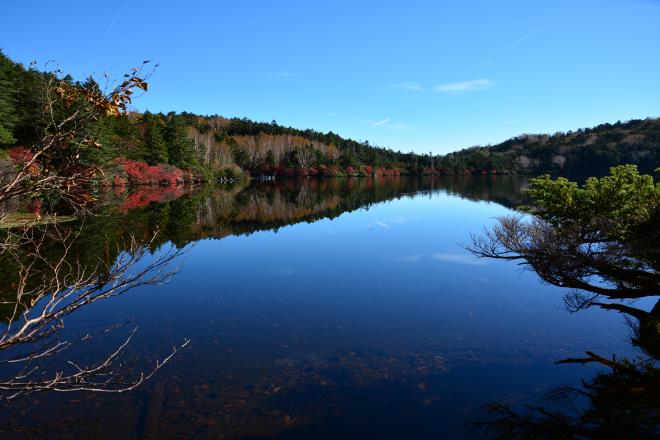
(411, 75)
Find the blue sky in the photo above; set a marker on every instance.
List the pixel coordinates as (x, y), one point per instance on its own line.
(414, 75)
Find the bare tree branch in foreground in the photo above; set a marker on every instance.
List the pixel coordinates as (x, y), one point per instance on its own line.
(48, 289)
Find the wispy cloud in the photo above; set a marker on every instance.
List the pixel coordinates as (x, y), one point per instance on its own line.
(114, 20)
(331, 114)
(459, 259)
(409, 85)
(383, 225)
(388, 123)
(489, 62)
(464, 86)
(524, 37)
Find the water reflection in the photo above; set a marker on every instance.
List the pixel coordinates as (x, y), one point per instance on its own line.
(44, 283)
(603, 260)
(186, 216)
(308, 322)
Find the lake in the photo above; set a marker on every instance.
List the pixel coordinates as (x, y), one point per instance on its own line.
(336, 308)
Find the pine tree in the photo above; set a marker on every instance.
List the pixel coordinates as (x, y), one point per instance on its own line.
(29, 98)
(179, 146)
(155, 147)
(7, 101)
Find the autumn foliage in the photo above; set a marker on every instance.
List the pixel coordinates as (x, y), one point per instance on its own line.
(146, 195)
(21, 156)
(140, 173)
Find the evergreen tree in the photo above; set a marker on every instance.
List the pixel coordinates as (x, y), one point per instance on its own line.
(155, 148)
(29, 92)
(179, 146)
(7, 101)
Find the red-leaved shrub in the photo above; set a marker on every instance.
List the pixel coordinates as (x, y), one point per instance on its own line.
(143, 174)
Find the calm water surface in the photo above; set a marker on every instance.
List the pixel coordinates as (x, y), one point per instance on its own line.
(324, 309)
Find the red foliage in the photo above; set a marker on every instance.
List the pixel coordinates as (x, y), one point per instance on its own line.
(21, 156)
(143, 174)
(119, 184)
(146, 195)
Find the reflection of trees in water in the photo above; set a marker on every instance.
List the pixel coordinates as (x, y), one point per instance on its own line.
(186, 216)
(93, 259)
(602, 241)
(45, 281)
(235, 210)
(622, 402)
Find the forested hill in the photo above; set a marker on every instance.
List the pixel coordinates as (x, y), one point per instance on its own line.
(272, 148)
(589, 151)
(148, 148)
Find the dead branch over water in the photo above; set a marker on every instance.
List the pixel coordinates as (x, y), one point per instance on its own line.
(48, 289)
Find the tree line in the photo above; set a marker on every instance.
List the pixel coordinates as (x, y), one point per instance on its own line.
(228, 146)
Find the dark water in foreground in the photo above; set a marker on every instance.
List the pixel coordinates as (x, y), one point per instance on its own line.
(323, 309)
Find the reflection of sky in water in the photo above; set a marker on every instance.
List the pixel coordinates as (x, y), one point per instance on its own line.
(385, 283)
(392, 277)
(357, 268)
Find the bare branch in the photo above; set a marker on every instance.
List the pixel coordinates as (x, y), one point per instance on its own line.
(48, 289)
